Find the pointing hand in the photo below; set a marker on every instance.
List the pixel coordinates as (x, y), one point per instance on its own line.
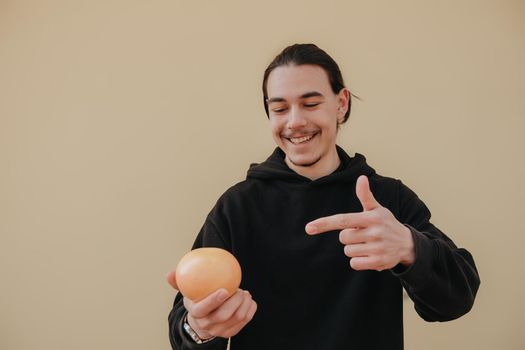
(374, 239)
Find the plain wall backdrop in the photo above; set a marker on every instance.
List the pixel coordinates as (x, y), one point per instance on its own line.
(122, 122)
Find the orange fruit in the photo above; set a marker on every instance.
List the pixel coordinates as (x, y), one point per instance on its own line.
(204, 270)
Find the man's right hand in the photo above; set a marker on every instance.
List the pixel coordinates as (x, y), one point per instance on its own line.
(218, 314)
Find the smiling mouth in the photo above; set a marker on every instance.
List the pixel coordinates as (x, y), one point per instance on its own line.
(300, 140)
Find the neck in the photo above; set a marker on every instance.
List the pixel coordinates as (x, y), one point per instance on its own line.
(323, 167)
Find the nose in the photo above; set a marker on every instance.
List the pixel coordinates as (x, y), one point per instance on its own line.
(296, 119)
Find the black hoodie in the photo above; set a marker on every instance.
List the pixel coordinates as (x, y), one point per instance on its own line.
(307, 294)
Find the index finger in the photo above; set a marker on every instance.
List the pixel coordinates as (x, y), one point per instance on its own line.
(337, 222)
(209, 304)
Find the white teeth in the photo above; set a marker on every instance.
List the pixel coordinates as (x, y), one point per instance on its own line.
(296, 140)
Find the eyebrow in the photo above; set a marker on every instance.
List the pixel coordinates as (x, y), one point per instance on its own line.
(302, 97)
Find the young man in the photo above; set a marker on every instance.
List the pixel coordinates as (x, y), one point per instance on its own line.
(326, 244)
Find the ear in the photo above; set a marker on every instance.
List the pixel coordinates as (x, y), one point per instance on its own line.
(343, 97)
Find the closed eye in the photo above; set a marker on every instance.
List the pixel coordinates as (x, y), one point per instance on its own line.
(279, 110)
(278, 107)
(312, 104)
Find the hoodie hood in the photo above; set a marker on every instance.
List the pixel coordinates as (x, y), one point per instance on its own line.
(275, 168)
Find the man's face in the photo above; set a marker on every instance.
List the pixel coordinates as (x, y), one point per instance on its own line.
(304, 115)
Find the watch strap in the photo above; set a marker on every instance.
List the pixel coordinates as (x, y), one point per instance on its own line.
(193, 335)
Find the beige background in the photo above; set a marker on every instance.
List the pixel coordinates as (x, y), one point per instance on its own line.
(121, 122)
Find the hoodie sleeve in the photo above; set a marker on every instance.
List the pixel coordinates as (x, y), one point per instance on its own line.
(443, 280)
(209, 236)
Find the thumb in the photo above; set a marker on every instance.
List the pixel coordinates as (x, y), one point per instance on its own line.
(172, 279)
(362, 189)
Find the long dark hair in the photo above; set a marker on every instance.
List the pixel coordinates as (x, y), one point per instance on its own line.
(299, 54)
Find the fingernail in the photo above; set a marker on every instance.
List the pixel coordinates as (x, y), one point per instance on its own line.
(222, 296)
(311, 229)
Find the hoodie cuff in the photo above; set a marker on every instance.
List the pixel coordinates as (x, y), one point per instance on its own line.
(419, 272)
